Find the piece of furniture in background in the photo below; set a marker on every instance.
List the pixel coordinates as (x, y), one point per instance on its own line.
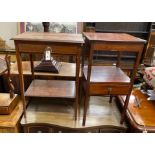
(149, 53)
(10, 104)
(109, 80)
(11, 123)
(3, 69)
(140, 117)
(61, 44)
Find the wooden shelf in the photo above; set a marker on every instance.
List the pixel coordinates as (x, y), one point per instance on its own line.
(107, 74)
(120, 31)
(66, 70)
(51, 88)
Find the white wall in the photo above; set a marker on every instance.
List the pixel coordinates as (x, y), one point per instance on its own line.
(7, 31)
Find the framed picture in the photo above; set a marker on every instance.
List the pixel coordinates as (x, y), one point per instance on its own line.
(57, 27)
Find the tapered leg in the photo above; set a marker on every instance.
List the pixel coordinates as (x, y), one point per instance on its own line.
(76, 106)
(21, 78)
(86, 103)
(125, 108)
(110, 99)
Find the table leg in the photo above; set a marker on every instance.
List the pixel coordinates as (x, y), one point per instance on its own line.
(76, 106)
(21, 79)
(131, 86)
(32, 66)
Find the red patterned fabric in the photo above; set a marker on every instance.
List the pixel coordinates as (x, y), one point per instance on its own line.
(149, 76)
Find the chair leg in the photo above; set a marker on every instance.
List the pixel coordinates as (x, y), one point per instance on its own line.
(86, 102)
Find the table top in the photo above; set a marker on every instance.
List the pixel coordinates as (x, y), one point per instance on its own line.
(112, 37)
(50, 37)
(107, 74)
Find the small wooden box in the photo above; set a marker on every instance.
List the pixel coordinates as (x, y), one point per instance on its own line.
(7, 105)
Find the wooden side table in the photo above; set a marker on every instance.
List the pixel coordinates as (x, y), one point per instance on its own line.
(109, 80)
(61, 44)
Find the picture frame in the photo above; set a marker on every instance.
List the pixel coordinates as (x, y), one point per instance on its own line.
(55, 27)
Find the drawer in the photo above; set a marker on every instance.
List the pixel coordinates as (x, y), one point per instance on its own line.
(39, 129)
(109, 89)
(56, 48)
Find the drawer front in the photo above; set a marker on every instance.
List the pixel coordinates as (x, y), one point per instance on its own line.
(39, 129)
(102, 89)
(56, 48)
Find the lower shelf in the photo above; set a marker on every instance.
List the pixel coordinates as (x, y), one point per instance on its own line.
(55, 115)
(51, 88)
